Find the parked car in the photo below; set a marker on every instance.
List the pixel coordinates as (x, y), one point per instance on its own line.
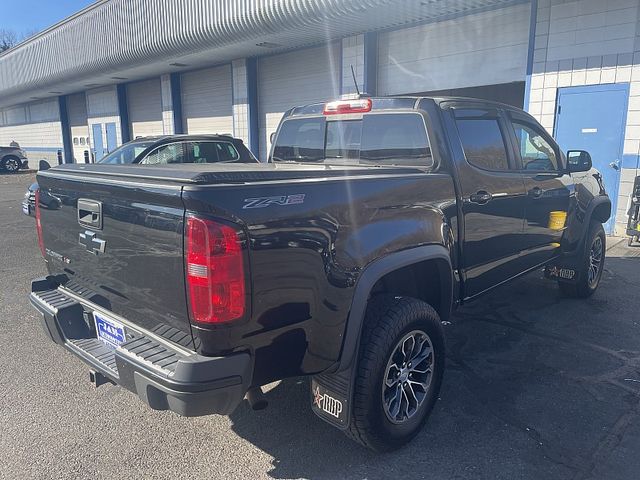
(167, 149)
(12, 159)
(194, 285)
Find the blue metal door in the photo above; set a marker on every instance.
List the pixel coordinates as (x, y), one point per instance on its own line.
(96, 138)
(593, 118)
(112, 139)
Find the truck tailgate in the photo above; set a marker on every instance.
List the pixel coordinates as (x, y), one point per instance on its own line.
(121, 244)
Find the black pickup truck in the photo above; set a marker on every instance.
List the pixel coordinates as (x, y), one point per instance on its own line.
(194, 285)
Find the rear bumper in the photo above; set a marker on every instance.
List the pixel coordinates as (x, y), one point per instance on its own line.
(163, 375)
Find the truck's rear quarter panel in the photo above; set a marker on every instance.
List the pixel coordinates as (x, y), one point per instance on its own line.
(306, 258)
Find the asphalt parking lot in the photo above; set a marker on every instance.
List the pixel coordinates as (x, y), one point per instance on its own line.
(537, 387)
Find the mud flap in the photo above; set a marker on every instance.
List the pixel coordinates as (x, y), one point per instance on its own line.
(565, 269)
(331, 396)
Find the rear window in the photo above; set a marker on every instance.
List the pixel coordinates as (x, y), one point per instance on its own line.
(388, 139)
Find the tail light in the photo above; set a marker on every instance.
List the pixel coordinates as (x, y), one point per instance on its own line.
(215, 272)
(39, 224)
(360, 105)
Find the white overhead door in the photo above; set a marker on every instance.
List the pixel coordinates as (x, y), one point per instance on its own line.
(207, 100)
(480, 49)
(145, 108)
(291, 79)
(79, 125)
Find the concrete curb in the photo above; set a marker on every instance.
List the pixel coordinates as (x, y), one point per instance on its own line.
(614, 242)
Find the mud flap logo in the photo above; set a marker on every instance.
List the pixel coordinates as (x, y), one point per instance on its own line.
(326, 403)
(561, 273)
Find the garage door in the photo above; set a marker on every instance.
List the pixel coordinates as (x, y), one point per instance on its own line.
(145, 108)
(485, 48)
(207, 100)
(79, 125)
(284, 81)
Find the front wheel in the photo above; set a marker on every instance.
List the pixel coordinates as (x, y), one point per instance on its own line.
(400, 367)
(592, 264)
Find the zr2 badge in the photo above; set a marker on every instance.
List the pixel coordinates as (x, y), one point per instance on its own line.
(282, 200)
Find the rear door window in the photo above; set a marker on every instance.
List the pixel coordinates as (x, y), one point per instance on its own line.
(381, 138)
(482, 141)
(192, 152)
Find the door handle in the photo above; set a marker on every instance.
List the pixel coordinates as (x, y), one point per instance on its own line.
(536, 192)
(615, 164)
(480, 197)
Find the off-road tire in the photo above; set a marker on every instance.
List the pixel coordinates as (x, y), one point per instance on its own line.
(388, 319)
(583, 288)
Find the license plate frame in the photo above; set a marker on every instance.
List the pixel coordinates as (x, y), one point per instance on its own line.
(109, 331)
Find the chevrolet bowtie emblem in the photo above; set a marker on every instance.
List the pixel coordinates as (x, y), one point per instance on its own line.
(91, 243)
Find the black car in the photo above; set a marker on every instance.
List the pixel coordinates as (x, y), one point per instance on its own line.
(167, 149)
(13, 158)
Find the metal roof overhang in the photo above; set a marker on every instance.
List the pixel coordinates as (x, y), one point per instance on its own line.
(113, 41)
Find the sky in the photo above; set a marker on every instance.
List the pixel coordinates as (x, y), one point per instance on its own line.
(24, 16)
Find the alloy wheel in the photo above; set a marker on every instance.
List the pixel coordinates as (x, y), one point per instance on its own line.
(408, 376)
(11, 165)
(595, 261)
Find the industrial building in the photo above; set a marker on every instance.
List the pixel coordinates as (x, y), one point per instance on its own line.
(122, 69)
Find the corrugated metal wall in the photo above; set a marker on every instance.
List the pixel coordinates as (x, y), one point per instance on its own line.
(206, 100)
(120, 36)
(144, 100)
(479, 49)
(284, 81)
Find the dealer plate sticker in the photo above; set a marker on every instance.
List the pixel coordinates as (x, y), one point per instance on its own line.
(109, 331)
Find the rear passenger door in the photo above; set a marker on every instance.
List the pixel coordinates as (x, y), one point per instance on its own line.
(493, 197)
(549, 189)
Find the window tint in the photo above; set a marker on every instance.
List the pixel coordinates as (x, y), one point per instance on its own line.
(483, 143)
(226, 152)
(397, 138)
(300, 140)
(536, 153)
(343, 139)
(211, 152)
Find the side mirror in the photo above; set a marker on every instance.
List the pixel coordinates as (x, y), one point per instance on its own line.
(272, 137)
(43, 165)
(579, 161)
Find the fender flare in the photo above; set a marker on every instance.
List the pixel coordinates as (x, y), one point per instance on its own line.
(588, 215)
(374, 272)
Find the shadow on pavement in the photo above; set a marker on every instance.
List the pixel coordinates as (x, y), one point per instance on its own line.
(537, 386)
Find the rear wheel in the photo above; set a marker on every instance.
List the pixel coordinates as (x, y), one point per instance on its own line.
(592, 265)
(400, 367)
(11, 164)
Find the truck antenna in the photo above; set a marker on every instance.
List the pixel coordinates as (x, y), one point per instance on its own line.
(355, 82)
